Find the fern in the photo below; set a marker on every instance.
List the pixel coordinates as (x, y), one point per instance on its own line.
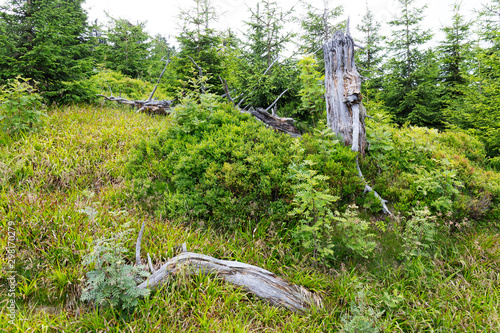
(112, 282)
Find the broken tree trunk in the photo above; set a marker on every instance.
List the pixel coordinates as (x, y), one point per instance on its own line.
(155, 107)
(345, 113)
(253, 279)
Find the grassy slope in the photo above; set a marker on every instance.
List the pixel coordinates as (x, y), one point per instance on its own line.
(60, 188)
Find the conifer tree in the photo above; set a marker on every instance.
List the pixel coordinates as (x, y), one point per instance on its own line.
(264, 73)
(46, 41)
(410, 91)
(455, 52)
(476, 109)
(318, 26)
(199, 47)
(369, 59)
(126, 48)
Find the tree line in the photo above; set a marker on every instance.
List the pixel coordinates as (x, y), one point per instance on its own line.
(453, 83)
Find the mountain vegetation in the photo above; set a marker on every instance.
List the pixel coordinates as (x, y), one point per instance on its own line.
(79, 175)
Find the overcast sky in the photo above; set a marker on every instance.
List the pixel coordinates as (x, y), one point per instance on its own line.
(161, 16)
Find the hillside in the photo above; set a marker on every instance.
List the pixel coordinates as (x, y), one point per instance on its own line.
(93, 171)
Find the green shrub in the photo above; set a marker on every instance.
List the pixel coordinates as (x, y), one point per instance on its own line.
(417, 233)
(416, 167)
(20, 106)
(312, 206)
(112, 282)
(312, 92)
(215, 163)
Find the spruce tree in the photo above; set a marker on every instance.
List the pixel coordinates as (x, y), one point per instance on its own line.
(410, 91)
(318, 25)
(125, 48)
(369, 59)
(46, 41)
(455, 52)
(201, 43)
(264, 74)
(476, 109)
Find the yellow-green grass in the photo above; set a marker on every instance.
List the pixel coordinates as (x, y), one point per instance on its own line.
(64, 186)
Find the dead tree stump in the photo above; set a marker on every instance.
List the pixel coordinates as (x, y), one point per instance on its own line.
(345, 112)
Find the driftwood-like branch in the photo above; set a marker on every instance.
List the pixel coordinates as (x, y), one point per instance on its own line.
(271, 65)
(226, 90)
(156, 107)
(253, 279)
(368, 188)
(285, 125)
(159, 78)
(138, 261)
(276, 100)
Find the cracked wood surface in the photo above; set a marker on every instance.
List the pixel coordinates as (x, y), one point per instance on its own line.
(256, 280)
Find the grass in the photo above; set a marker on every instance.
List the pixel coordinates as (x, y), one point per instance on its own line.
(64, 187)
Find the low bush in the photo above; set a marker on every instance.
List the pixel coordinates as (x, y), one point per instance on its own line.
(219, 165)
(20, 107)
(112, 282)
(416, 167)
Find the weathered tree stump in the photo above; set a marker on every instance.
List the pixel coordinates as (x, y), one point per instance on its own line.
(345, 112)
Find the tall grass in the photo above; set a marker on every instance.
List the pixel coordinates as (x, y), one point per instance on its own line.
(64, 187)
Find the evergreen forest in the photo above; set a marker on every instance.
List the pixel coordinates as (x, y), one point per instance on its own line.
(92, 178)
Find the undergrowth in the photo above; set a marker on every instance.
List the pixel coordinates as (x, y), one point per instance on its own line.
(64, 187)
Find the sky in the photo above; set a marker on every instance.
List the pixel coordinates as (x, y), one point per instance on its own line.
(161, 15)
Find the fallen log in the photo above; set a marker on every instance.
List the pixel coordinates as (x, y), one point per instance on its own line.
(258, 281)
(156, 107)
(150, 106)
(285, 125)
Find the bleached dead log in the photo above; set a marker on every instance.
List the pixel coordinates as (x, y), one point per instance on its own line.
(149, 105)
(284, 125)
(258, 281)
(253, 279)
(155, 107)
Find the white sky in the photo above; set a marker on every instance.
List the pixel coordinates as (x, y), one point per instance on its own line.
(161, 15)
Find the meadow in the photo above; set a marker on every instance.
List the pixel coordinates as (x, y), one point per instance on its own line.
(69, 184)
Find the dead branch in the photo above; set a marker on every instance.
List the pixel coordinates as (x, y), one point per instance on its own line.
(138, 246)
(258, 281)
(276, 100)
(200, 70)
(149, 105)
(159, 78)
(226, 90)
(285, 125)
(368, 188)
